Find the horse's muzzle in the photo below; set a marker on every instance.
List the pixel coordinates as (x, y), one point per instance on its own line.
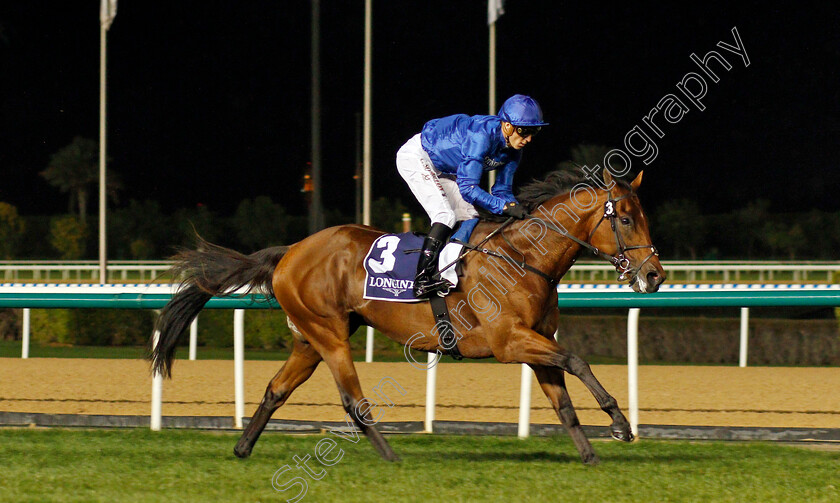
(648, 279)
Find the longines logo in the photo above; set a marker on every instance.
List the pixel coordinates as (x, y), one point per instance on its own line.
(394, 286)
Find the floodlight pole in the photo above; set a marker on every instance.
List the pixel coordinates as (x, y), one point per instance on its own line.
(491, 177)
(103, 48)
(316, 209)
(366, 142)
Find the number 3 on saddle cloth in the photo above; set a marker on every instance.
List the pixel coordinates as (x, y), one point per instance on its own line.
(391, 264)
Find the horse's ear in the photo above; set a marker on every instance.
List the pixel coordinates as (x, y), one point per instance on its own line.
(638, 181)
(608, 181)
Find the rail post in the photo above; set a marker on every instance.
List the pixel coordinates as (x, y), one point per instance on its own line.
(633, 368)
(431, 385)
(193, 338)
(745, 326)
(524, 428)
(24, 347)
(369, 345)
(155, 418)
(238, 366)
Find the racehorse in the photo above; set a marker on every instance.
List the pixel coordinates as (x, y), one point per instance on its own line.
(319, 284)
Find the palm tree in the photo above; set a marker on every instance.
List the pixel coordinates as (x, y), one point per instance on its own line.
(751, 220)
(680, 224)
(74, 168)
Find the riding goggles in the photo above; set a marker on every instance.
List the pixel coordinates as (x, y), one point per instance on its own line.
(526, 131)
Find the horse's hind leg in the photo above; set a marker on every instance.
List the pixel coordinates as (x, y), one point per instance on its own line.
(297, 369)
(553, 384)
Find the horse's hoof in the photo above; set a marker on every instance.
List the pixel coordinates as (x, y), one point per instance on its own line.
(241, 452)
(591, 460)
(622, 433)
(390, 456)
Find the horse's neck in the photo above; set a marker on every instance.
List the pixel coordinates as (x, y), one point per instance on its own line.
(540, 246)
(565, 212)
(555, 252)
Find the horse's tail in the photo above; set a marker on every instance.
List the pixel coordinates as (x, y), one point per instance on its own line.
(208, 271)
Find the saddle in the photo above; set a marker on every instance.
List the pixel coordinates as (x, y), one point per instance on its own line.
(391, 264)
(390, 267)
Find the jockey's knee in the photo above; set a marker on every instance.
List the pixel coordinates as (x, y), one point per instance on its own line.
(446, 218)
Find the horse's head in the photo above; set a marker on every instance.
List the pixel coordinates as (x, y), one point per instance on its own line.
(621, 233)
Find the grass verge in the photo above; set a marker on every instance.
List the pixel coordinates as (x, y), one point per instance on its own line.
(140, 465)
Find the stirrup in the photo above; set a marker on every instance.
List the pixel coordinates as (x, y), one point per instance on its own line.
(427, 289)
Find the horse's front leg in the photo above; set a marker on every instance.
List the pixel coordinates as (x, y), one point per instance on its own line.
(620, 427)
(341, 364)
(527, 346)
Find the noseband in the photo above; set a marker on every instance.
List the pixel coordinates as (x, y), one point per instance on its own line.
(619, 261)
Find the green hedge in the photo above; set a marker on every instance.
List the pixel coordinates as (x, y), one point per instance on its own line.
(705, 340)
(91, 327)
(690, 339)
(264, 328)
(10, 328)
(835, 278)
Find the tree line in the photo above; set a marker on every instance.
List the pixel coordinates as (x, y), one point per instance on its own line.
(751, 232)
(141, 230)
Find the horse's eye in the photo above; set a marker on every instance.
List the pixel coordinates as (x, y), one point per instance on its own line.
(625, 221)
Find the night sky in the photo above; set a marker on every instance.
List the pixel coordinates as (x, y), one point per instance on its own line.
(208, 102)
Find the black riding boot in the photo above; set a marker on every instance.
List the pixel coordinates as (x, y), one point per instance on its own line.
(424, 283)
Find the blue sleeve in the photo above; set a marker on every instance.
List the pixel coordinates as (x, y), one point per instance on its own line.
(469, 175)
(503, 187)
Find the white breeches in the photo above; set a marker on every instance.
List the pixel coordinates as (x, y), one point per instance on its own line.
(440, 197)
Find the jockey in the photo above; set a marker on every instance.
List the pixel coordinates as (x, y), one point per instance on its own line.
(443, 164)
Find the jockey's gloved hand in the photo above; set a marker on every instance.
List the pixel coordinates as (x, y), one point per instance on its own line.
(515, 210)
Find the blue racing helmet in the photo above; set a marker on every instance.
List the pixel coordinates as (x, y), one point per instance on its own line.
(521, 110)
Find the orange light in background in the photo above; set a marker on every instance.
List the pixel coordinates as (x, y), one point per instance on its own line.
(307, 179)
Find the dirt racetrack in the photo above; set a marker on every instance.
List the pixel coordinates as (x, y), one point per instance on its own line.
(487, 392)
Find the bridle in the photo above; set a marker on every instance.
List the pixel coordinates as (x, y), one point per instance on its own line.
(620, 260)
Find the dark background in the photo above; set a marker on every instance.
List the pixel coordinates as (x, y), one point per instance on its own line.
(209, 101)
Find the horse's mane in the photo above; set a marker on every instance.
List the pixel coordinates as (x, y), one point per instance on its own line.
(560, 181)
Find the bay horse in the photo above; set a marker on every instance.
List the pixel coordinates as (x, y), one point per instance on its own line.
(319, 284)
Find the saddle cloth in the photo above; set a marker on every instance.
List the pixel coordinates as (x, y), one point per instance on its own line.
(391, 264)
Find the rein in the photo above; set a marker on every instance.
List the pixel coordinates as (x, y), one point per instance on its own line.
(478, 247)
(521, 263)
